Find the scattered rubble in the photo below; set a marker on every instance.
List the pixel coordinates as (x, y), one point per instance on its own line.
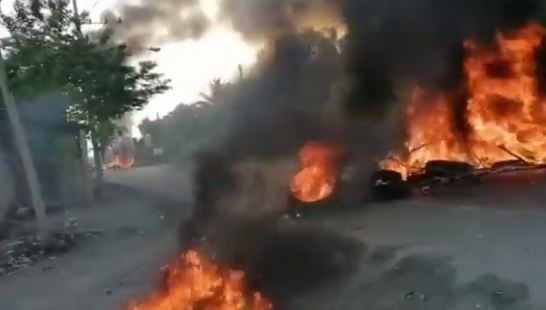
(20, 252)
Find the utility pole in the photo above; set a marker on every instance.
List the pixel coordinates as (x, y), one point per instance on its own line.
(77, 21)
(26, 157)
(82, 136)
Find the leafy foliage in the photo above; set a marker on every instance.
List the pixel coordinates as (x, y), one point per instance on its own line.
(46, 53)
(192, 126)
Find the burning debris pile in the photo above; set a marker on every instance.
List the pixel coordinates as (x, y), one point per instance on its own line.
(194, 283)
(504, 110)
(488, 122)
(500, 114)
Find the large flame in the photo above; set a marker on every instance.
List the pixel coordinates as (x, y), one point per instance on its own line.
(502, 117)
(193, 283)
(317, 178)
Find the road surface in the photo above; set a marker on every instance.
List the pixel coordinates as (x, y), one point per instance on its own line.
(484, 250)
(138, 222)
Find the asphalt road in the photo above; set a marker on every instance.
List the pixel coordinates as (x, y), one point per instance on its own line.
(483, 249)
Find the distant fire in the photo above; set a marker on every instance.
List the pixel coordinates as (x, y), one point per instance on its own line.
(120, 154)
(318, 176)
(503, 115)
(122, 162)
(193, 283)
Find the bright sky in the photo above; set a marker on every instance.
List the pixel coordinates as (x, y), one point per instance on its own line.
(190, 64)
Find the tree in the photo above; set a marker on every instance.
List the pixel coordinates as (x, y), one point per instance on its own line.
(217, 91)
(45, 53)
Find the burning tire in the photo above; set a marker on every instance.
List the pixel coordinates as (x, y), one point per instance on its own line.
(297, 207)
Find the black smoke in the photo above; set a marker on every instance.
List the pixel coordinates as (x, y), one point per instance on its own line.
(149, 23)
(419, 40)
(388, 41)
(278, 106)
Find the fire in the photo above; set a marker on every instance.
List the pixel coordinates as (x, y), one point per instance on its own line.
(193, 283)
(120, 161)
(120, 154)
(501, 118)
(317, 178)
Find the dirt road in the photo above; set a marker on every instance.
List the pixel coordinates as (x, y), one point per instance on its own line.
(481, 252)
(425, 256)
(138, 235)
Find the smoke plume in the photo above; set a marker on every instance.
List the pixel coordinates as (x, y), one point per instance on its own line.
(156, 22)
(273, 18)
(388, 41)
(395, 40)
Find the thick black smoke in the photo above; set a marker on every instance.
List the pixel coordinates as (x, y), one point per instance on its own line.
(419, 40)
(388, 41)
(156, 22)
(279, 108)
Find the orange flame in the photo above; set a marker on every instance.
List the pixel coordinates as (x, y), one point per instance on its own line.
(122, 162)
(504, 112)
(317, 178)
(192, 283)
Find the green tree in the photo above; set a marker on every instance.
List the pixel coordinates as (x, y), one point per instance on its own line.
(45, 52)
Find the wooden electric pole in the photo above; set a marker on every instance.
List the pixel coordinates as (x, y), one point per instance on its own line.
(24, 152)
(84, 158)
(77, 21)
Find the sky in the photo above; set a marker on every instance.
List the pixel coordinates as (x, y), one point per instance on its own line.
(190, 64)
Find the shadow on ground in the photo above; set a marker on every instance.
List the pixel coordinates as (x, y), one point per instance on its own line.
(426, 283)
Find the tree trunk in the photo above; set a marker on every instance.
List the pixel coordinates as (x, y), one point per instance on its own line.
(84, 159)
(99, 175)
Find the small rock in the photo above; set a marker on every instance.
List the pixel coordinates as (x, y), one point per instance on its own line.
(47, 268)
(423, 297)
(108, 291)
(24, 212)
(409, 295)
(93, 233)
(72, 222)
